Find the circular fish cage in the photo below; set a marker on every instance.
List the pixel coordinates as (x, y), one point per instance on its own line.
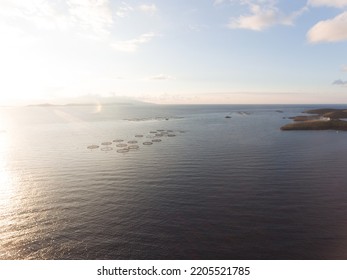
(159, 135)
(171, 135)
(132, 142)
(118, 140)
(156, 140)
(121, 145)
(153, 132)
(138, 135)
(133, 147)
(106, 149)
(106, 143)
(92, 147)
(122, 151)
(147, 143)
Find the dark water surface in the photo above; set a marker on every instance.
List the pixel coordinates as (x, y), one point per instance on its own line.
(237, 188)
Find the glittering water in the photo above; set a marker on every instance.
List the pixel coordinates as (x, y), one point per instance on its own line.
(221, 188)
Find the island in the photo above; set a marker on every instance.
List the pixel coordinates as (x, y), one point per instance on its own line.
(319, 119)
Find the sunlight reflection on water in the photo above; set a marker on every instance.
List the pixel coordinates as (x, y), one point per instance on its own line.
(6, 185)
(7, 191)
(238, 188)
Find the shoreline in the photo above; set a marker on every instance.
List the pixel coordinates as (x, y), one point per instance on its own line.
(319, 119)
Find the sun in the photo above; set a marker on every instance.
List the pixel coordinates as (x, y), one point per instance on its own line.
(19, 76)
(26, 70)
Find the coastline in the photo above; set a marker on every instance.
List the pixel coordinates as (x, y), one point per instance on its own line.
(319, 119)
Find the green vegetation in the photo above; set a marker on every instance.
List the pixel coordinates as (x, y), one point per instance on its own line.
(316, 125)
(304, 118)
(329, 113)
(322, 119)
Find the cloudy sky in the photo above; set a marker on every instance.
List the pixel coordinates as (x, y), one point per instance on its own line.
(181, 51)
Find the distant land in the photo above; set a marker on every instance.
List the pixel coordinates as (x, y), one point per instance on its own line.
(319, 119)
(87, 100)
(77, 104)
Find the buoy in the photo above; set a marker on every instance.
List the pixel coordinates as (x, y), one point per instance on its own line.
(91, 147)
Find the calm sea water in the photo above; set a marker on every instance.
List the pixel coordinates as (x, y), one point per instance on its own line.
(237, 188)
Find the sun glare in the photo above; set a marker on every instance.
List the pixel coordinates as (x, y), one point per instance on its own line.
(19, 78)
(26, 74)
(6, 184)
(98, 108)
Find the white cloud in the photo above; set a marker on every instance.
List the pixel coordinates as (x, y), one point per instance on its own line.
(218, 2)
(133, 44)
(340, 82)
(344, 68)
(258, 20)
(263, 14)
(91, 14)
(148, 8)
(124, 10)
(331, 30)
(161, 77)
(197, 27)
(329, 3)
(90, 18)
(43, 14)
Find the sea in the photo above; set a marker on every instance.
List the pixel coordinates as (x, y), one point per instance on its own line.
(195, 182)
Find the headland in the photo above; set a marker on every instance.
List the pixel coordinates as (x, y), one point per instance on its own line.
(319, 119)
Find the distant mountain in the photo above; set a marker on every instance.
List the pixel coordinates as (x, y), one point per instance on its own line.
(89, 100)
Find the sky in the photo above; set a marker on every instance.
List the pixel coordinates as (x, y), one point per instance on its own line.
(175, 52)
